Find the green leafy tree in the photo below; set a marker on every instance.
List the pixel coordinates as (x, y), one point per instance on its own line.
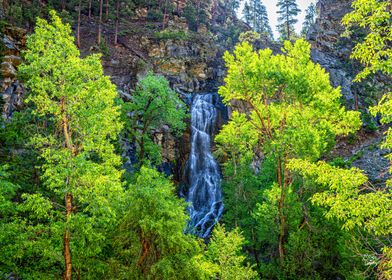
(310, 18)
(225, 251)
(375, 49)
(80, 173)
(350, 198)
(151, 243)
(293, 110)
(288, 11)
(375, 53)
(154, 105)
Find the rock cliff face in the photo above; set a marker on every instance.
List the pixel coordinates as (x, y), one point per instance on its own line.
(193, 63)
(13, 41)
(332, 51)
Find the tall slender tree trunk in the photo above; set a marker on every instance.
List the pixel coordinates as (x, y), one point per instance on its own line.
(107, 10)
(67, 239)
(63, 5)
(164, 14)
(68, 201)
(117, 21)
(100, 22)
(78, 29)
(89, 8)
(287, 23)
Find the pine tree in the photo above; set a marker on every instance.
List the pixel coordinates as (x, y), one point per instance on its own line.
(247, 13)
(262, 22)
(255, 14)
(288, 12)
(310, 18)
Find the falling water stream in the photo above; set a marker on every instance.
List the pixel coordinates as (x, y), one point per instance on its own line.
(204, 195)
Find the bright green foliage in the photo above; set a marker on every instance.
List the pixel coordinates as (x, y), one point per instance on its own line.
(224, 251)
(151, 242)
(310, 19)
(288, 11)
(236, 140)
(292, 112)
(375, 51)
(344, 197)
(7, 192)
(294, 109)
(349, 199)
(154, 105)
(75, 102)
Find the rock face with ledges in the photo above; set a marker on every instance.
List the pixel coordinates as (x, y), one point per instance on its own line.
(330, 49)
(332, 52)
(11, 90)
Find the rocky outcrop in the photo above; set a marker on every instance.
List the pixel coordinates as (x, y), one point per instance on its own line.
(11, 90)
(330, 49)
(332, 52)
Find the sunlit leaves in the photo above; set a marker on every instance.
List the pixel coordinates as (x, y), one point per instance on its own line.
(346, 197)
(154, 105)
(375, 50)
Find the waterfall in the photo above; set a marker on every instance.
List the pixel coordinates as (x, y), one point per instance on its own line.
(204, 195)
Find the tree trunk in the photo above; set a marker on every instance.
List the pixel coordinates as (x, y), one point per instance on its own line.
(164, 14)
(67, 238)
(117, 21)
(78, 29)
(287, 23)
(67, 275)
(89, 9)
(107, 10)
(63, 5)
(100, 22)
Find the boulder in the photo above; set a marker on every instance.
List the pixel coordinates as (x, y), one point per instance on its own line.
(8, 70)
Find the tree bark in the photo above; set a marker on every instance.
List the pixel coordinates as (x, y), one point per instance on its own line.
(78, 29)
(68, 199)
(107, 10)
(89, 9)
(164, 14)
(67, 238)
(117, 21)
(287, 23)
(100, 22)
(63, 5)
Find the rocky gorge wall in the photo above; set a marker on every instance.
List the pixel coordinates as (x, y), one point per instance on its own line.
(192, 62)
(332, 51)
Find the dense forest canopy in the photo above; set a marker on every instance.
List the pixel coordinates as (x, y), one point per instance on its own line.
(95, 168)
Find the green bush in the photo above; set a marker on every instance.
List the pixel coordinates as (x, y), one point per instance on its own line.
(167, 35)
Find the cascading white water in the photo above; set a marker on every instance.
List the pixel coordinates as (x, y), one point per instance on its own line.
(204, 193)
